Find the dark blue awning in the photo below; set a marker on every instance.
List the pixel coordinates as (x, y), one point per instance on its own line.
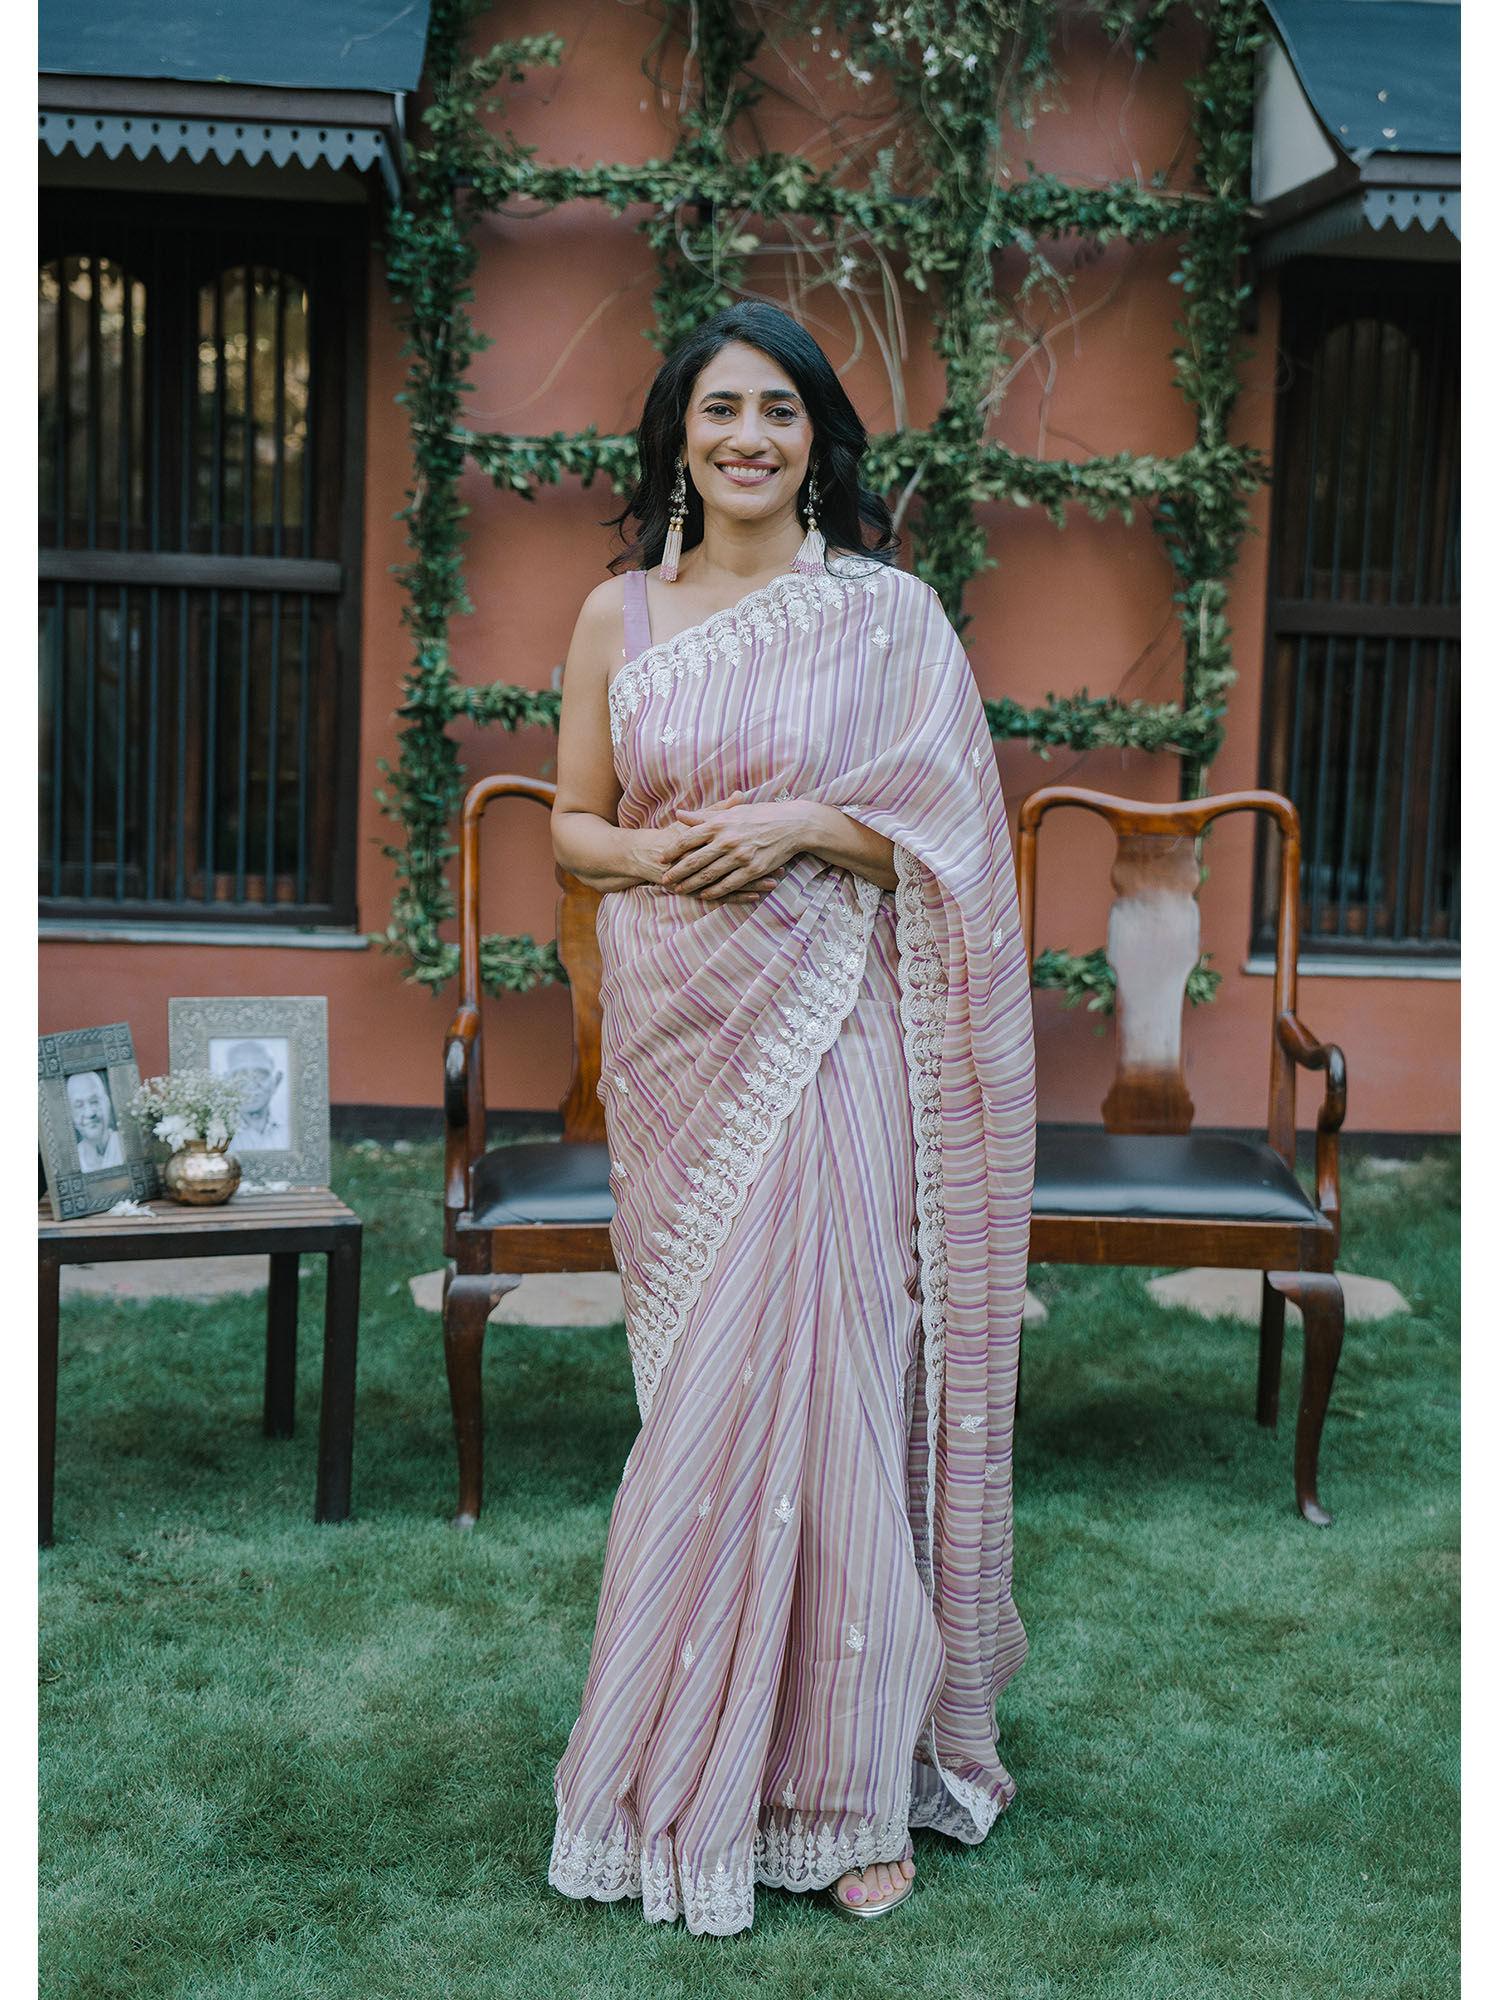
(291, 44)
(1382, 75)
(310, 80)
(1357, 127)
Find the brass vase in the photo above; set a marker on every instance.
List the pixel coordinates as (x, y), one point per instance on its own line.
(200, 1174)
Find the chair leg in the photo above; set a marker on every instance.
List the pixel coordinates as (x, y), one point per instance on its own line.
(1321, 1298)
(50, 1290)
(1020, 1352)
(1272, 1337)
(468, 1300)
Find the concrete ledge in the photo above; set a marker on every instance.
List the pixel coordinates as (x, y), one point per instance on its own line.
(1218, 1294)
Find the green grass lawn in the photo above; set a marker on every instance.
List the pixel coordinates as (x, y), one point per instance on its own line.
(283, 1760)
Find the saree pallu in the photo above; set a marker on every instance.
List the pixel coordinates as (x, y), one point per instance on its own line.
(821, 1119)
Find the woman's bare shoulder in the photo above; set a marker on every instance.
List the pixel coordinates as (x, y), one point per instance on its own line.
(599, 625)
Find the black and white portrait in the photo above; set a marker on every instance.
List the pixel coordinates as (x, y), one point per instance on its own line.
(277, 1045)
(261, 1063)
(96, 1129)
(92, 1144)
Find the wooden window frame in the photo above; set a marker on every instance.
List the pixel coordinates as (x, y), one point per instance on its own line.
(1320, 618)
(344, 229)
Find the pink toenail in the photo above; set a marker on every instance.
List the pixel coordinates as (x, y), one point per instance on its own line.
(854, 1894)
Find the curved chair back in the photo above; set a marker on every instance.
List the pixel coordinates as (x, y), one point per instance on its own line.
(577, 947)
(1153, 944)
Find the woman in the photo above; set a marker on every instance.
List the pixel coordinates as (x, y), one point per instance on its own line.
(817, 1074)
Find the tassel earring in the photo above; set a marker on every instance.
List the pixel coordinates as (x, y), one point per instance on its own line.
(671, 554)
(810, 556)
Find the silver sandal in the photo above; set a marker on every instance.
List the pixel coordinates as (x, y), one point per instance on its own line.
(871, 1909)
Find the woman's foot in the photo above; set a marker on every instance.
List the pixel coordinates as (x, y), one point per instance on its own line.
(881, 1882)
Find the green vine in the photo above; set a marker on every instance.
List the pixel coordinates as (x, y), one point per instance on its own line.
(1090, 977)
(967, 74)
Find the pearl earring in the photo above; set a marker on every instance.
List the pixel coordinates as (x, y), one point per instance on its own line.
(812, 502)
(671, 554)
(810, 557)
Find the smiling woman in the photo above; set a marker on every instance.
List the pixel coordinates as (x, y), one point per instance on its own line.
(818, 1080)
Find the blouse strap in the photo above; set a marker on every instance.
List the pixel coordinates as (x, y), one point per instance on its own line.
(637, 616)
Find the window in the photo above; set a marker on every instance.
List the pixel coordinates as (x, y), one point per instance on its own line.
(201, 475)
(1360, 726)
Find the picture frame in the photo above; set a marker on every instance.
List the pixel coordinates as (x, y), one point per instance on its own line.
(93, 1147)
(281, 1041)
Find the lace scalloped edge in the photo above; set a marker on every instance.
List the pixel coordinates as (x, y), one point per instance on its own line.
(784, 1855)
(923, 991)
(825, 993)
(693, 650)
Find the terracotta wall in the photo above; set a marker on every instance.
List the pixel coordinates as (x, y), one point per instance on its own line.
(566, 298)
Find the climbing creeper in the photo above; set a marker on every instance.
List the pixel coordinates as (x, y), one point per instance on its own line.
(708, 203)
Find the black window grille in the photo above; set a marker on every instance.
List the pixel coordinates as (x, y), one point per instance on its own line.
(201, 475)
(1361, 717)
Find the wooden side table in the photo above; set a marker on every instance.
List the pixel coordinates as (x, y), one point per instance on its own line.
(280, 1225)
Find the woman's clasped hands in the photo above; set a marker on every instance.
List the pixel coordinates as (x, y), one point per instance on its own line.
(731, 852)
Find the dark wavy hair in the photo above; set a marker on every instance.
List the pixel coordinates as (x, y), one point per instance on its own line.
(845, 508)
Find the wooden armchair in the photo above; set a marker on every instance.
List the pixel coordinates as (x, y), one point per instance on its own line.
(1148, 1189)
(514, 1209)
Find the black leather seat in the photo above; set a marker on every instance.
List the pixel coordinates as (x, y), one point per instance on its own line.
(549, 1180)
(1087, 1172)
(1092, 1172)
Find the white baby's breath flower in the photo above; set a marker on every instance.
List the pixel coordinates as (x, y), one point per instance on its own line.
(190, 1104)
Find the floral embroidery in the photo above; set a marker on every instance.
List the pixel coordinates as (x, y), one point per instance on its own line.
(923, 986)
(687, 1652)
(825, 987)
(969, 1812)
(669, 732)
(789, 1797)
(749, 1375)
(856, 1639)
(880, 637)
(789, 601)
(703, 1506)
(996, 934)
(785, 1854)
(605, 1868)
(991, 1470)
(783, 794)
(784, 1511)
(971, 1423)
(976, 755)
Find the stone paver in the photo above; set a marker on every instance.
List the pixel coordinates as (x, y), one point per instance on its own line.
(166, 1278)
(571, 1298)
(1213, 1292)
(545, 1298)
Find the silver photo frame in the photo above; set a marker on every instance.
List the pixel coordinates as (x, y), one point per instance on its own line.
(94, 1149)
(281, 1045)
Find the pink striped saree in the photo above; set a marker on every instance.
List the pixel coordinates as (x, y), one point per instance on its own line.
(821, 1120)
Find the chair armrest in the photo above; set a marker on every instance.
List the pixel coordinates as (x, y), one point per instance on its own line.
(463, 1107)
(1305, 1049)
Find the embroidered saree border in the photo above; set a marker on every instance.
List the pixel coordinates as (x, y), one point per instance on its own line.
(791, 599)
(825, 990)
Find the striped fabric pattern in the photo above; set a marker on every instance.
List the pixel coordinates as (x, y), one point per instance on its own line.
(821, 1121)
